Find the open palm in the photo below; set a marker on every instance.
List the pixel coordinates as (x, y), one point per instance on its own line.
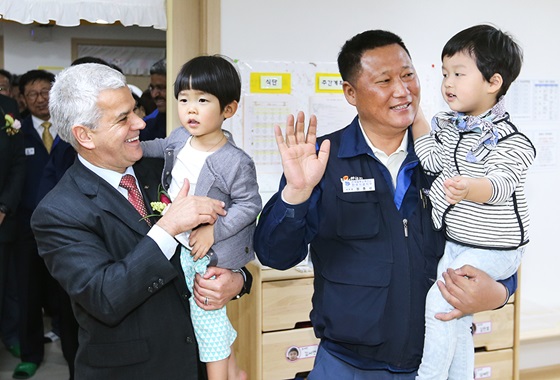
(303, 166)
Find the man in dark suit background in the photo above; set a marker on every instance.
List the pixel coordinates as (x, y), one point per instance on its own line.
(156, 123)
(122, 274)
(5, 83)
(12, 172)
(36, 287)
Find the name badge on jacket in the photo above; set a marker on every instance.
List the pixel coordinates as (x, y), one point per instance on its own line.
(29, 151)
(357, 184)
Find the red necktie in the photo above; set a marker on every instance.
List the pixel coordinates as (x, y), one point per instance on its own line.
(128, 182)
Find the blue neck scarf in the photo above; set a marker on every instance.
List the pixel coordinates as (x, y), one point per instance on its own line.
(482, 124)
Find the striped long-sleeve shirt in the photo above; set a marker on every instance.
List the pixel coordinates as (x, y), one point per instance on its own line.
(503, 221)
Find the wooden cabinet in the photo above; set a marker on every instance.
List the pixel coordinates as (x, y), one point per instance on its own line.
(496, 341)
(271, 320)
(274, 318)
(494, 365)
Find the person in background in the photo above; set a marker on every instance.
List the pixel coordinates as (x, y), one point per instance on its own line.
(357, 206)
(208, 89)
(22, 106)
(12, 172)
(5, 83)
(149, 103)
(156, 121)
(36, 287)
(118, 264)
(139, 108)
(481, 162)
(89, 59)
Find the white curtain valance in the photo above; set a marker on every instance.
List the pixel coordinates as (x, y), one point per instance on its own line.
(150, 13)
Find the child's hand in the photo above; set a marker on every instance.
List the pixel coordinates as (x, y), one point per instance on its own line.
(456, 189)
(420, 126)
(472, 189)
(201, 240)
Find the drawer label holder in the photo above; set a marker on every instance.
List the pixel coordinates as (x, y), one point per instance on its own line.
(483, 372)
(294, 353)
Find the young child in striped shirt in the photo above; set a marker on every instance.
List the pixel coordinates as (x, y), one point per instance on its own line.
(481, 161)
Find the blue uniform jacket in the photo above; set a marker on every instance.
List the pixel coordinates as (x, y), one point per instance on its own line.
(375, 253)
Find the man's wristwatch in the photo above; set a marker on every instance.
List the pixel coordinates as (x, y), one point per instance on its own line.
(247, 282)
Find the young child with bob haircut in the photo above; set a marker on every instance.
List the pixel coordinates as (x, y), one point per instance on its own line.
(481, 161)
(208, 90)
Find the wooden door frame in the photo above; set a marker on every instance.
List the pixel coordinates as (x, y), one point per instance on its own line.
(193, 28)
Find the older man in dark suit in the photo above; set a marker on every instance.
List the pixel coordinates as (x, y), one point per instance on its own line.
(118, 266)
(12, 172)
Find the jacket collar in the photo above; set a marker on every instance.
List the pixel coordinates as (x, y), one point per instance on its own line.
(354, 144)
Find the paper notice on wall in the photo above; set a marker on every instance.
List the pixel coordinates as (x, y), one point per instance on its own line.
(546, 143)
(534, 100)
(333, 112)
(260, 114)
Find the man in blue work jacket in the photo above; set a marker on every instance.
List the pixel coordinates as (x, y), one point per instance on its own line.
(361, 203)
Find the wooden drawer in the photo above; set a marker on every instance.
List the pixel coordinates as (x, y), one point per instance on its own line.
(494, 365)
(275, 346)
(493, 330)
(285, 303)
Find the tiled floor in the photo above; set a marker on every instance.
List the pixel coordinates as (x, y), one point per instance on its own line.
(53, 368)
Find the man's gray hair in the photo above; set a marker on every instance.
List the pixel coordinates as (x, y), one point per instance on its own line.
(74, 95)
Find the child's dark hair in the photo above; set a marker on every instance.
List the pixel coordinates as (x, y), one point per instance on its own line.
(214, 74)
(493, 50)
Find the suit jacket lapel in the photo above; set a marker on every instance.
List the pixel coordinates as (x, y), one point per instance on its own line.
(108, 198)
(148, 172)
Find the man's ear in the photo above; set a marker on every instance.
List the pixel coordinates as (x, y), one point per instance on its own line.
(496, 82)
(230, 109)
(349, 92)
(83, 136)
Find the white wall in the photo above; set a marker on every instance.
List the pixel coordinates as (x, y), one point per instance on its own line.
(21, 53)
(314, 30)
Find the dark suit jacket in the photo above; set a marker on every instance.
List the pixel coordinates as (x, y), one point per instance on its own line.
(8, 105)
(12, 170)
(155, 128)
(62, 156)
(36, 157)
(130, 301)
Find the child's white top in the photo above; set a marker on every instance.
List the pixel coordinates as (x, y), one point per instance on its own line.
(188, 165)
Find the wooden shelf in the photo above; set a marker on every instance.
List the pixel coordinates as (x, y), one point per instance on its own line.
(275, 317)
